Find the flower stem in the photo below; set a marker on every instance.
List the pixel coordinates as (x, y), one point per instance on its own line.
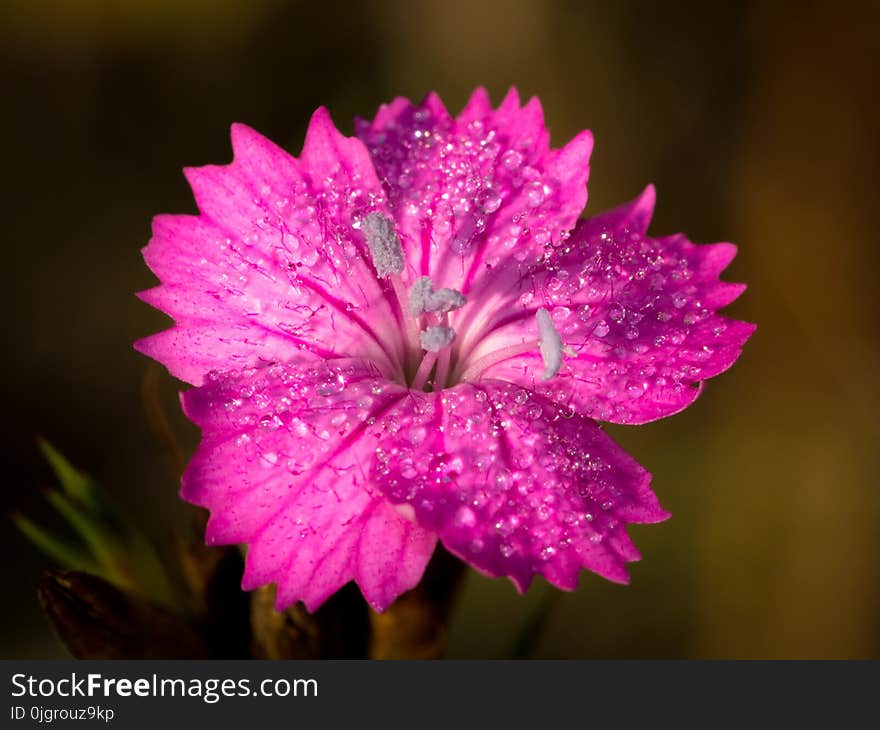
(414, 626)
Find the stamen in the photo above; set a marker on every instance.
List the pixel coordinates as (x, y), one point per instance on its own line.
(388, 259)
(472, 371)
(446, 300)
(423, 298)
(418, 295)
(410, 325)
(551, 344)
(434, 339)
(444, 358)
(421, 377)
(384, 244)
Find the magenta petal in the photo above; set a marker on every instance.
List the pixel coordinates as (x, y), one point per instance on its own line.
(515, 484)
(307, 290)
(482, 192)
(479, 106)
(274, 265)
(283, 468)
(639, 313)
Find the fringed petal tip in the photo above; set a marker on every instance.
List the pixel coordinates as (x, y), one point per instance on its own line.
(273, 480)
(515, 485)
(228, 275)
(641, 317)
(480, 185)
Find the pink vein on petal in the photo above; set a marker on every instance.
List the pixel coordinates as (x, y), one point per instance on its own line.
(248, 280)
(282, 468)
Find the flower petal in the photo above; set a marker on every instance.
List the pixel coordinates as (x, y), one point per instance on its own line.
(515, 484)
(639, 313)
(477, 195)
(283, 468)
(273, 266)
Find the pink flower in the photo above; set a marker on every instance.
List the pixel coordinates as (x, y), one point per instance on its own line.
(407, 336)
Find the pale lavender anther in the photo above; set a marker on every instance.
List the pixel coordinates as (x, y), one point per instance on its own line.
(550, 344)
(423, 298)
(421, 290)
(384, 244)
(436, 338)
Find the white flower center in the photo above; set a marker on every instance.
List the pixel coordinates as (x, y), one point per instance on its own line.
(427, 349)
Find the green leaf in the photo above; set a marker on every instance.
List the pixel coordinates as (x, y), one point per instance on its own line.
(149, 572)
(66, 553)
(103, 546)
(73, 481)
(115, 549)
(84, 490)
(126, 558)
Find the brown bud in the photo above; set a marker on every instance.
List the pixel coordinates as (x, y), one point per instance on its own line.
(96, 620)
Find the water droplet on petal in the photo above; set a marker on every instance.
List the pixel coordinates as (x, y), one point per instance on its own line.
(489, 201)
(464, 517)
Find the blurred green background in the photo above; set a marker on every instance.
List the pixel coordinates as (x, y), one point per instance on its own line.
(758, 122)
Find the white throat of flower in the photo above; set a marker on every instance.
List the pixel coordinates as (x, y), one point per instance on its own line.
(428, 330)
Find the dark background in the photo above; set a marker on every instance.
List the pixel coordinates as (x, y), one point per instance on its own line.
(758, 123)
